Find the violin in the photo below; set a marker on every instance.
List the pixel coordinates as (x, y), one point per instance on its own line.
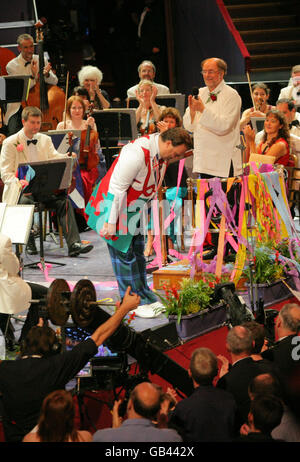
(89, 157)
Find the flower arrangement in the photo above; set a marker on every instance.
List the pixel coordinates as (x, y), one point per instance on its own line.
(191, 297)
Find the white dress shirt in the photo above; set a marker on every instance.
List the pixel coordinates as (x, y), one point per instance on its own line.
(216, 132)
(17, 67)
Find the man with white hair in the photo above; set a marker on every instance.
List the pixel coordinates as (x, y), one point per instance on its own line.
(90, 78)
(147, 71)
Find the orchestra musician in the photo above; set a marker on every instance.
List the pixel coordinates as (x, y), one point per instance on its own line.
(28, 145)
(26, 63)
(148, 111)
(90, 78)
(89, 158)
(261, 94)
(275, 140)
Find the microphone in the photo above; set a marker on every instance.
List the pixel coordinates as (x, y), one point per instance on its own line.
(195, 92)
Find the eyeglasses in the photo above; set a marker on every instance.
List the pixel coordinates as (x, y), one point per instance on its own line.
(209, 72)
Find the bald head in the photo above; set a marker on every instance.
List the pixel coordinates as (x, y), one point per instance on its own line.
(144, 401)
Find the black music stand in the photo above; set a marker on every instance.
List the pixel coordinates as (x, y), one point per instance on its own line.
(48, 179)
(115, 126)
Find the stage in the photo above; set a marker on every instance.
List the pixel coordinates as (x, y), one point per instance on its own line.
(94, 408)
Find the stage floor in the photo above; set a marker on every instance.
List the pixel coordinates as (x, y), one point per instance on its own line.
(95, 266)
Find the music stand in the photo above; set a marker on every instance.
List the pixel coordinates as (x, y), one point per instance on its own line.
(176, 100)
(14, 88)
(49, 177)
(257, 123)
(115, 126)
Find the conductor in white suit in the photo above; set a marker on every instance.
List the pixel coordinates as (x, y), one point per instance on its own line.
(27, 146)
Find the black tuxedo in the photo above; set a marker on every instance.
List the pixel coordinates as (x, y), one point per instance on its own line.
(237, 380)
(207, 415)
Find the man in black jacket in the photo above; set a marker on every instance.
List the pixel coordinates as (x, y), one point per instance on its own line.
(25, 382)
(242, 370)
(209, 413)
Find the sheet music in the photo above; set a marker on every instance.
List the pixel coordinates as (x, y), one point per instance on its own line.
(16, 222)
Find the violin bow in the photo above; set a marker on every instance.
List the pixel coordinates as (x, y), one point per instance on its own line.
(66, 98)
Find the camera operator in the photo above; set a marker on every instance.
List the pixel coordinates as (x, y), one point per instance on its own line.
(143, 406)
(25, 382)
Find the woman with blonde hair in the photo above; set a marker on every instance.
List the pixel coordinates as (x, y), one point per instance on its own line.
(148, 111)
(57, 422)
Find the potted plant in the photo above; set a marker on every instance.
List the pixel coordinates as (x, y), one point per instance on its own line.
(192, 306)
(267, 269)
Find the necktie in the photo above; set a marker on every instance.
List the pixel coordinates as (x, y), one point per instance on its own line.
(31, 141)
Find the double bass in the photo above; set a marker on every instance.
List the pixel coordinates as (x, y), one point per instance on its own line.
(49, 98)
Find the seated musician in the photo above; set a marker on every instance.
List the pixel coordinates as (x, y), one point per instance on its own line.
(75, 113)
(148, 111)
(90, 78)
(261, 94)
(275, 141)
(28, 145)
(26, 63)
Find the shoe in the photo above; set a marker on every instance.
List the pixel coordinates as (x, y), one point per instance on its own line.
(78, 248)
(210, 254)
(149, 311)
(31, 247)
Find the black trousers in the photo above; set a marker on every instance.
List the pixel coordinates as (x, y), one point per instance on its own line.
(65, 213)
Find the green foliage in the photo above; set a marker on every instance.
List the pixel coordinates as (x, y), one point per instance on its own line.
(192, 297)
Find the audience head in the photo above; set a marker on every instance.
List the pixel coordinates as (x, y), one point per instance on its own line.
(264, 384)
(265, 413)
(258, 334)
(89, 73)
(203, 366)
(277, 124)
(146, 70)
(287, 107)
(171, 116)
(239, 341)
(288, 320)
(213, 71)
(56, 422)
(41, 341)
(144, 401)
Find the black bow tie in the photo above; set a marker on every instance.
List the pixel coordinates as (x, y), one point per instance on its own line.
(295, 123)
(31, 141)
(27, 63)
